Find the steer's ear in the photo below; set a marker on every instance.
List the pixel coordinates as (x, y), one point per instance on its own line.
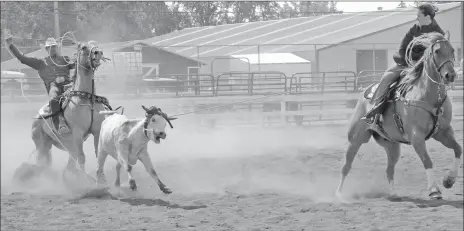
(144, 108)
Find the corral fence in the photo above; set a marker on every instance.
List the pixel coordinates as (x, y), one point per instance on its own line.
(223, 84)
(250, 83)
(308, 82)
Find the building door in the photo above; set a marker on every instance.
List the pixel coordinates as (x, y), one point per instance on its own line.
(192, 78)
(365, 60)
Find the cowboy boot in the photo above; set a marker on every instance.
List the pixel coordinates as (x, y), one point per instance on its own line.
(371, 116)
(56, 122)
(54, 106)
(377, 99)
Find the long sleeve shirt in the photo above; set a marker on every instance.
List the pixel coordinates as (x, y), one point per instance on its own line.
(416, 31)
(47, 69)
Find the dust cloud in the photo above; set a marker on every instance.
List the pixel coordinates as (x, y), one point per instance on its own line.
(195, 160)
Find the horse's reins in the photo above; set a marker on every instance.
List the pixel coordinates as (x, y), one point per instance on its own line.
(438, 67)
(441, 80)
(93, 69)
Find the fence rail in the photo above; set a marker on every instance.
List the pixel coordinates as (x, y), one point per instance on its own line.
(224, 84)
(308, 82)
(250, 83)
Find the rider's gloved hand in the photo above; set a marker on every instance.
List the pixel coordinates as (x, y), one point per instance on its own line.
(9, 41)
(74, 58)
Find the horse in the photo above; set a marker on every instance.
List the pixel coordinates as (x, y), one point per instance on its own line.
(416, 109)
(80, 108)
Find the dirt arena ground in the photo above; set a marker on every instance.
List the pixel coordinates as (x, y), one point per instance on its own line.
(234, 179)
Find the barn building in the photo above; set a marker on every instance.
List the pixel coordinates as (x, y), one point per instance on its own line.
(348, 42)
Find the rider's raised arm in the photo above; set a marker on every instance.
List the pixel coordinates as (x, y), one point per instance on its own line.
(405, 42)
(32, 62)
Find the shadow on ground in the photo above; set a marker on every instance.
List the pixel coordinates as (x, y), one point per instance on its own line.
(103, 193)
(159, 202)
(421, 203)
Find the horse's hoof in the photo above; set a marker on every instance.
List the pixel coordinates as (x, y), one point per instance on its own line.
(166, 190)
(132, 185)
(448, 182)
(435, 196)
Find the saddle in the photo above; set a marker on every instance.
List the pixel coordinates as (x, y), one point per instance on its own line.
(48, 111)
(389, 95)
(394, 94)
(388, 98)
(53, 109)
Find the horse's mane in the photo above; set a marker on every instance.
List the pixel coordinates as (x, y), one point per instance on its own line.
(414, 70)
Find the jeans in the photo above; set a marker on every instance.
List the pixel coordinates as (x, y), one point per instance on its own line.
(53, 94)
(391, 75)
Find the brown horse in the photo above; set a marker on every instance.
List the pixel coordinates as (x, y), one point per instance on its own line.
(418, 108)
(80, 108)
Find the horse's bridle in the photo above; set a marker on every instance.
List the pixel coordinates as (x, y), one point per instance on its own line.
(438, 67)
(93, 49)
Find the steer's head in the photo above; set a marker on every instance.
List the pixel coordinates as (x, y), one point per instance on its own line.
(155, 123)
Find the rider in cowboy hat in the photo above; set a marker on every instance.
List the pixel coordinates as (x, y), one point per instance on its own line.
(426, 24)
(54, 70)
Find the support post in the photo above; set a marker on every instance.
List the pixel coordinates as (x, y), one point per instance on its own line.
(57, 19)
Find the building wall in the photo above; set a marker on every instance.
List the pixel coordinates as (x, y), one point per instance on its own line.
(343, 57)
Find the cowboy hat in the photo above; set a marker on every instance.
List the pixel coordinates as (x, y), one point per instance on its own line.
(50, 42)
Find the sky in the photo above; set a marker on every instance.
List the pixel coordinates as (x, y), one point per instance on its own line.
(367, 6)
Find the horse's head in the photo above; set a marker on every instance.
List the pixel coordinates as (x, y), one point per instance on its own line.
(441, 53)
(155, 123)
(89, 56)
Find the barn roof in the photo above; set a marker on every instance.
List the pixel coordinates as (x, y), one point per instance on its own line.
(278, 35)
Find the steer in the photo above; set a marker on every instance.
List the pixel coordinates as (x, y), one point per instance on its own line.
(126, 140)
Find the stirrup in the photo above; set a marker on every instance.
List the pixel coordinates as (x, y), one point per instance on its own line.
(63, 129)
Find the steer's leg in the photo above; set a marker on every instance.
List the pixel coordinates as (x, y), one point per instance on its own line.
(123, 156)
(146, 161)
